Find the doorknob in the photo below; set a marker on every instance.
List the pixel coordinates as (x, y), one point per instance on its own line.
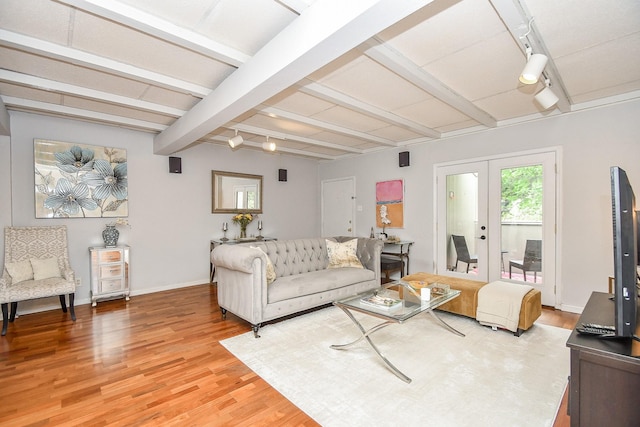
(483, 237)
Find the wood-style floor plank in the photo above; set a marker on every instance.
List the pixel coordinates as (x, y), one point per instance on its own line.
(156, 360)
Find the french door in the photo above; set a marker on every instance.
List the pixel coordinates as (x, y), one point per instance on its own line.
(496, 220)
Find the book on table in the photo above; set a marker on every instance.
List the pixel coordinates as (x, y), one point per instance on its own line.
(382, 302)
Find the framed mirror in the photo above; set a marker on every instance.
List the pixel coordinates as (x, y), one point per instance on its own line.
(235, 192)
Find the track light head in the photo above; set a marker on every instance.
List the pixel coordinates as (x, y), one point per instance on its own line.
(236, 140)
(546, 98)
(269, 146)
(533, 69)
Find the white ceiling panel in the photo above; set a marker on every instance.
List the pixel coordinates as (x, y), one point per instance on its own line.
(370, 82)
(449, 68)
(102, 37)
(43, 19)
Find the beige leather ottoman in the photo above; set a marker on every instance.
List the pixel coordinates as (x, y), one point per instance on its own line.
(467, 303)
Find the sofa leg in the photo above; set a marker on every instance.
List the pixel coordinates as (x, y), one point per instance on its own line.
(255, 330)
(63, 303)
(14, 310)
(518, 332)
(5, 318)
(224, 313)
(72, 309)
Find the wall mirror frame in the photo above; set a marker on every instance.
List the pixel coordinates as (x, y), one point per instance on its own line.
(233, 192)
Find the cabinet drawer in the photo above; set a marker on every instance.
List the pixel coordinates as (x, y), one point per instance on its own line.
(113, 285)
(109, 256)
(114, 270)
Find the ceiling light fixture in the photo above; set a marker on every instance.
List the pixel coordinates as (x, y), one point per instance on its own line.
(533, 69)
(269, 146)
(236, 140)
(546, 98)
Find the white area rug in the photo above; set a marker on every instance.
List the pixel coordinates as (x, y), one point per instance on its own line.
(488, 378)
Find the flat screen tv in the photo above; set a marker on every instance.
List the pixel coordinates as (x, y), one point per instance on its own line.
(625, 253)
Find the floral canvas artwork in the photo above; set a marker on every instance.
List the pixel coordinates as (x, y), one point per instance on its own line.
(79, 181)
(390, 204)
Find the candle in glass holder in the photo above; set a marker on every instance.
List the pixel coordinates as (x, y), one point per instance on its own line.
(224, 226)
(260, 224)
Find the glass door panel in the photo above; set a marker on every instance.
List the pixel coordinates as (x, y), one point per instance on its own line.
(462, 234)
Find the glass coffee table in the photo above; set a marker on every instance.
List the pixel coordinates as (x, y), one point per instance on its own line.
(394, 302)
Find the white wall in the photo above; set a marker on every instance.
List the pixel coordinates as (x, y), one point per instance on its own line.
(591, 141)
(170, 214)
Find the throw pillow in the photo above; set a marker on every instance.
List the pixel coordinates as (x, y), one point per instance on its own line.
(271, 271)
(19, 271)
(343, 254)
(45, 268)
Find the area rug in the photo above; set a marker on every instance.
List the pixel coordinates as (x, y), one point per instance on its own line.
(487, 378)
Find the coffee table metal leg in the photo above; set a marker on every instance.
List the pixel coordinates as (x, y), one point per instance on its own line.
(445, 324)
(365, 335)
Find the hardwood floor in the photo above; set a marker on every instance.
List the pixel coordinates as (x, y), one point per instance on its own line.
(156, 360)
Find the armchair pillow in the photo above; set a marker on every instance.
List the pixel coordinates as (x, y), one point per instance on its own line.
(45, 268)
(343, 254)
(19, 271)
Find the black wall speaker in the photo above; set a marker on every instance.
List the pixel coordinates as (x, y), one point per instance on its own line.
(282, 175)
(403, 158)
(175, 165)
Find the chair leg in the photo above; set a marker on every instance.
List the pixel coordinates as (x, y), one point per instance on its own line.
(5, 318)
(524, 273)
(14, 310)
(63, 303)
(72, 297)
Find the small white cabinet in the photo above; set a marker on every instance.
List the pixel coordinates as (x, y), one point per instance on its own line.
(109, 272)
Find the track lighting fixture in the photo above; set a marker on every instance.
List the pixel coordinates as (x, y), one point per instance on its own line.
(533, 69)
(269, 146)
(236, 140)
(546, 98)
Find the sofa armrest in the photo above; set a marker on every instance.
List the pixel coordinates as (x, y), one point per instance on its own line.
(235, 257)
(241, 280)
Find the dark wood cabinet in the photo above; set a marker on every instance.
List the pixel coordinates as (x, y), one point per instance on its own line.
(604, 386)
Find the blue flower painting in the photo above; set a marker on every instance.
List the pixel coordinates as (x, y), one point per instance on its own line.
(80, 181)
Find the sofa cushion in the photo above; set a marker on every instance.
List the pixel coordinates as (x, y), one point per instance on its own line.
(19, 271)
(316, 281)
(343, 254)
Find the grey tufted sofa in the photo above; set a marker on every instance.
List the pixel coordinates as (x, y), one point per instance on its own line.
(302, 278)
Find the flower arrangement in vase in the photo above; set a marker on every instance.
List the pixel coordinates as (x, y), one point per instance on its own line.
(243, 219)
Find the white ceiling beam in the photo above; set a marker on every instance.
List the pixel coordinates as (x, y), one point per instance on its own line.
(411, 72)
(86, 93)
(146, 23)
(296, 6)
(62, 110)
(5, 121)
(516, 18)
(296, 138)
(323, 32)
(85, 59)
(278, 113)
(323, 92)
(279, 149)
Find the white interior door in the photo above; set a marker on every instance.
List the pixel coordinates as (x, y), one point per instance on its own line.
(505, 209)
(338, 207)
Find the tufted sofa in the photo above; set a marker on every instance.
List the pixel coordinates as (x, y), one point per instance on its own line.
(302, 281)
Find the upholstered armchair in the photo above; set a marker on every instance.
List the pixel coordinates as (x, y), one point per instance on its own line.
(36, 265)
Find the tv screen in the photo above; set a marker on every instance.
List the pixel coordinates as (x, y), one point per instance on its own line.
(625, 253)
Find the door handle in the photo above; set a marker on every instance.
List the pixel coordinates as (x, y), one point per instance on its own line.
(349, 229)
(483, 237)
